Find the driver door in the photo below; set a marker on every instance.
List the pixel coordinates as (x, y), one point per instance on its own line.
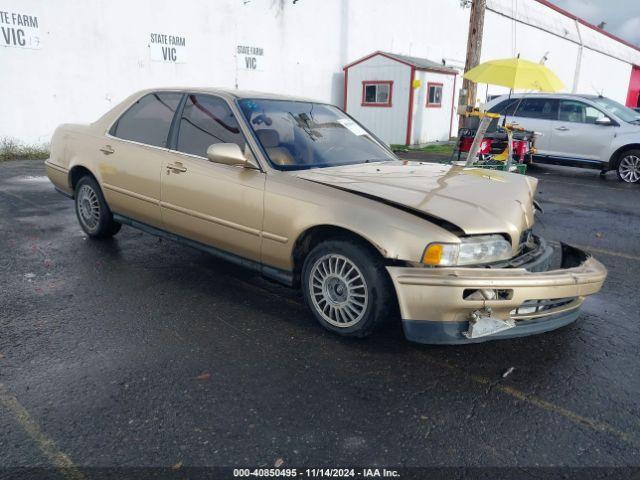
(576, 135)
(218, 205)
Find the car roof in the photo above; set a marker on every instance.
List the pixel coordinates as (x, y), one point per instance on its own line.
(547, 95)
(231, 92)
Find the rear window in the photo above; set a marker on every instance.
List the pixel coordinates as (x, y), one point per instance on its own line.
(149, 119)
(543, 108)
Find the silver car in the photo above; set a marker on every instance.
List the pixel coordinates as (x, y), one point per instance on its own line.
(578, 130)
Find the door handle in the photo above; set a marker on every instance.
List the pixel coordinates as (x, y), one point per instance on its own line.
(176, 167)
(562, 129)
(107, 150)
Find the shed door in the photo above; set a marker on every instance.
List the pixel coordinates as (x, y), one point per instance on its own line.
(633, 97)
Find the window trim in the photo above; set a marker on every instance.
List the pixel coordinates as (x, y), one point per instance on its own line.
(434, 84)
(376, 104)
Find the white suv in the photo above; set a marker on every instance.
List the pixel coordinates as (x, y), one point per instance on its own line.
(578, 130)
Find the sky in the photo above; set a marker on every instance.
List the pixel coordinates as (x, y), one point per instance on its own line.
(622, 16)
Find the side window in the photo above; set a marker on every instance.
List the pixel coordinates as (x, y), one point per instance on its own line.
(578, 112)
(542, 108)
(434, 94)
(505, 107)
(377, 93)
(149, 119)
(207, 120)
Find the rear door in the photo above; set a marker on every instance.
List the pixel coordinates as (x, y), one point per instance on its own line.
(576, 134)
(215, 204)
(131, 157)
(535, 114)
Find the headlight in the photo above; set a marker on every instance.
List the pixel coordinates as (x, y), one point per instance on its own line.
(470, 251)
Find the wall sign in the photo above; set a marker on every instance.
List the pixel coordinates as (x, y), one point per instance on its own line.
(19, 30)
(167, 48)
(250, 58)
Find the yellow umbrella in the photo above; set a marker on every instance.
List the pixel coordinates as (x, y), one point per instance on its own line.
(516, 74)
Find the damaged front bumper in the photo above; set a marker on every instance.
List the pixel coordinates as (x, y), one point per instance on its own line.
(469, 305)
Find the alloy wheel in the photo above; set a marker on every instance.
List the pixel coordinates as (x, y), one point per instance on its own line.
(88, 207)
(629, 169)
(338, 290)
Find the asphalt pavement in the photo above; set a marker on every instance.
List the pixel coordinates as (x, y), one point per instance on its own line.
(139, 352)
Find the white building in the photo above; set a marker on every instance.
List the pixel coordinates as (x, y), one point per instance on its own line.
(70, 61)
(402, 99)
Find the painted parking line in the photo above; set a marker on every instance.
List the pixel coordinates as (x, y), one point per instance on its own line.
(576, 418)
(46, 445)
(612, 253)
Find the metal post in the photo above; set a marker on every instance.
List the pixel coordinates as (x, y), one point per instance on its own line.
(477, 141)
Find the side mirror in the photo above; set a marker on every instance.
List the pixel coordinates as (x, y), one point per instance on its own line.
(604, 122)
(229, 154)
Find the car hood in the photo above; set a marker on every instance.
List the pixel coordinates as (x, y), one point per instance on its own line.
(475, 200)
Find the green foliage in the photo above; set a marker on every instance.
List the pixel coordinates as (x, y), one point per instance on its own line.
(437, 148)
(11, 149)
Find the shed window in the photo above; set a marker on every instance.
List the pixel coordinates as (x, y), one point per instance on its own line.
(377, 93)
(434, 95)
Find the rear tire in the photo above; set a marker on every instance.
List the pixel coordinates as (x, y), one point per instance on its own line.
(629, 166)
(92, 210)
(347, 288)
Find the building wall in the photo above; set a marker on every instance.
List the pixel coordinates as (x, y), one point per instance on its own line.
(432, 124)
(388, 123)
(587, 61)
(602, 74)
(94, 53)
(531, 43)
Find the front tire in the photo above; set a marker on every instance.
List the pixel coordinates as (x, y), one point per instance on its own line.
(92, 210)
(629, 166)
(347, 288)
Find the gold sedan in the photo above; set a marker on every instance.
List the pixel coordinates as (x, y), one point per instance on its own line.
(301, 192)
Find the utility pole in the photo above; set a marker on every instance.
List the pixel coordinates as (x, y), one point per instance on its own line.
(474, 47)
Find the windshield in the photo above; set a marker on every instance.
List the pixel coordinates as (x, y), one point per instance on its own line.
(619, 110)
(298, 135)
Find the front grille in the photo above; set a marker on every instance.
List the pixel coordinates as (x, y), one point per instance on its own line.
(537, 306)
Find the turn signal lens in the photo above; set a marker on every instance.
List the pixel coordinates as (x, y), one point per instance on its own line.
(443, 254)
(432, 254)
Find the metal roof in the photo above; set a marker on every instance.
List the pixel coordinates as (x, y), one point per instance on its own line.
(417, 62)
(546, 16)
(587, 96)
